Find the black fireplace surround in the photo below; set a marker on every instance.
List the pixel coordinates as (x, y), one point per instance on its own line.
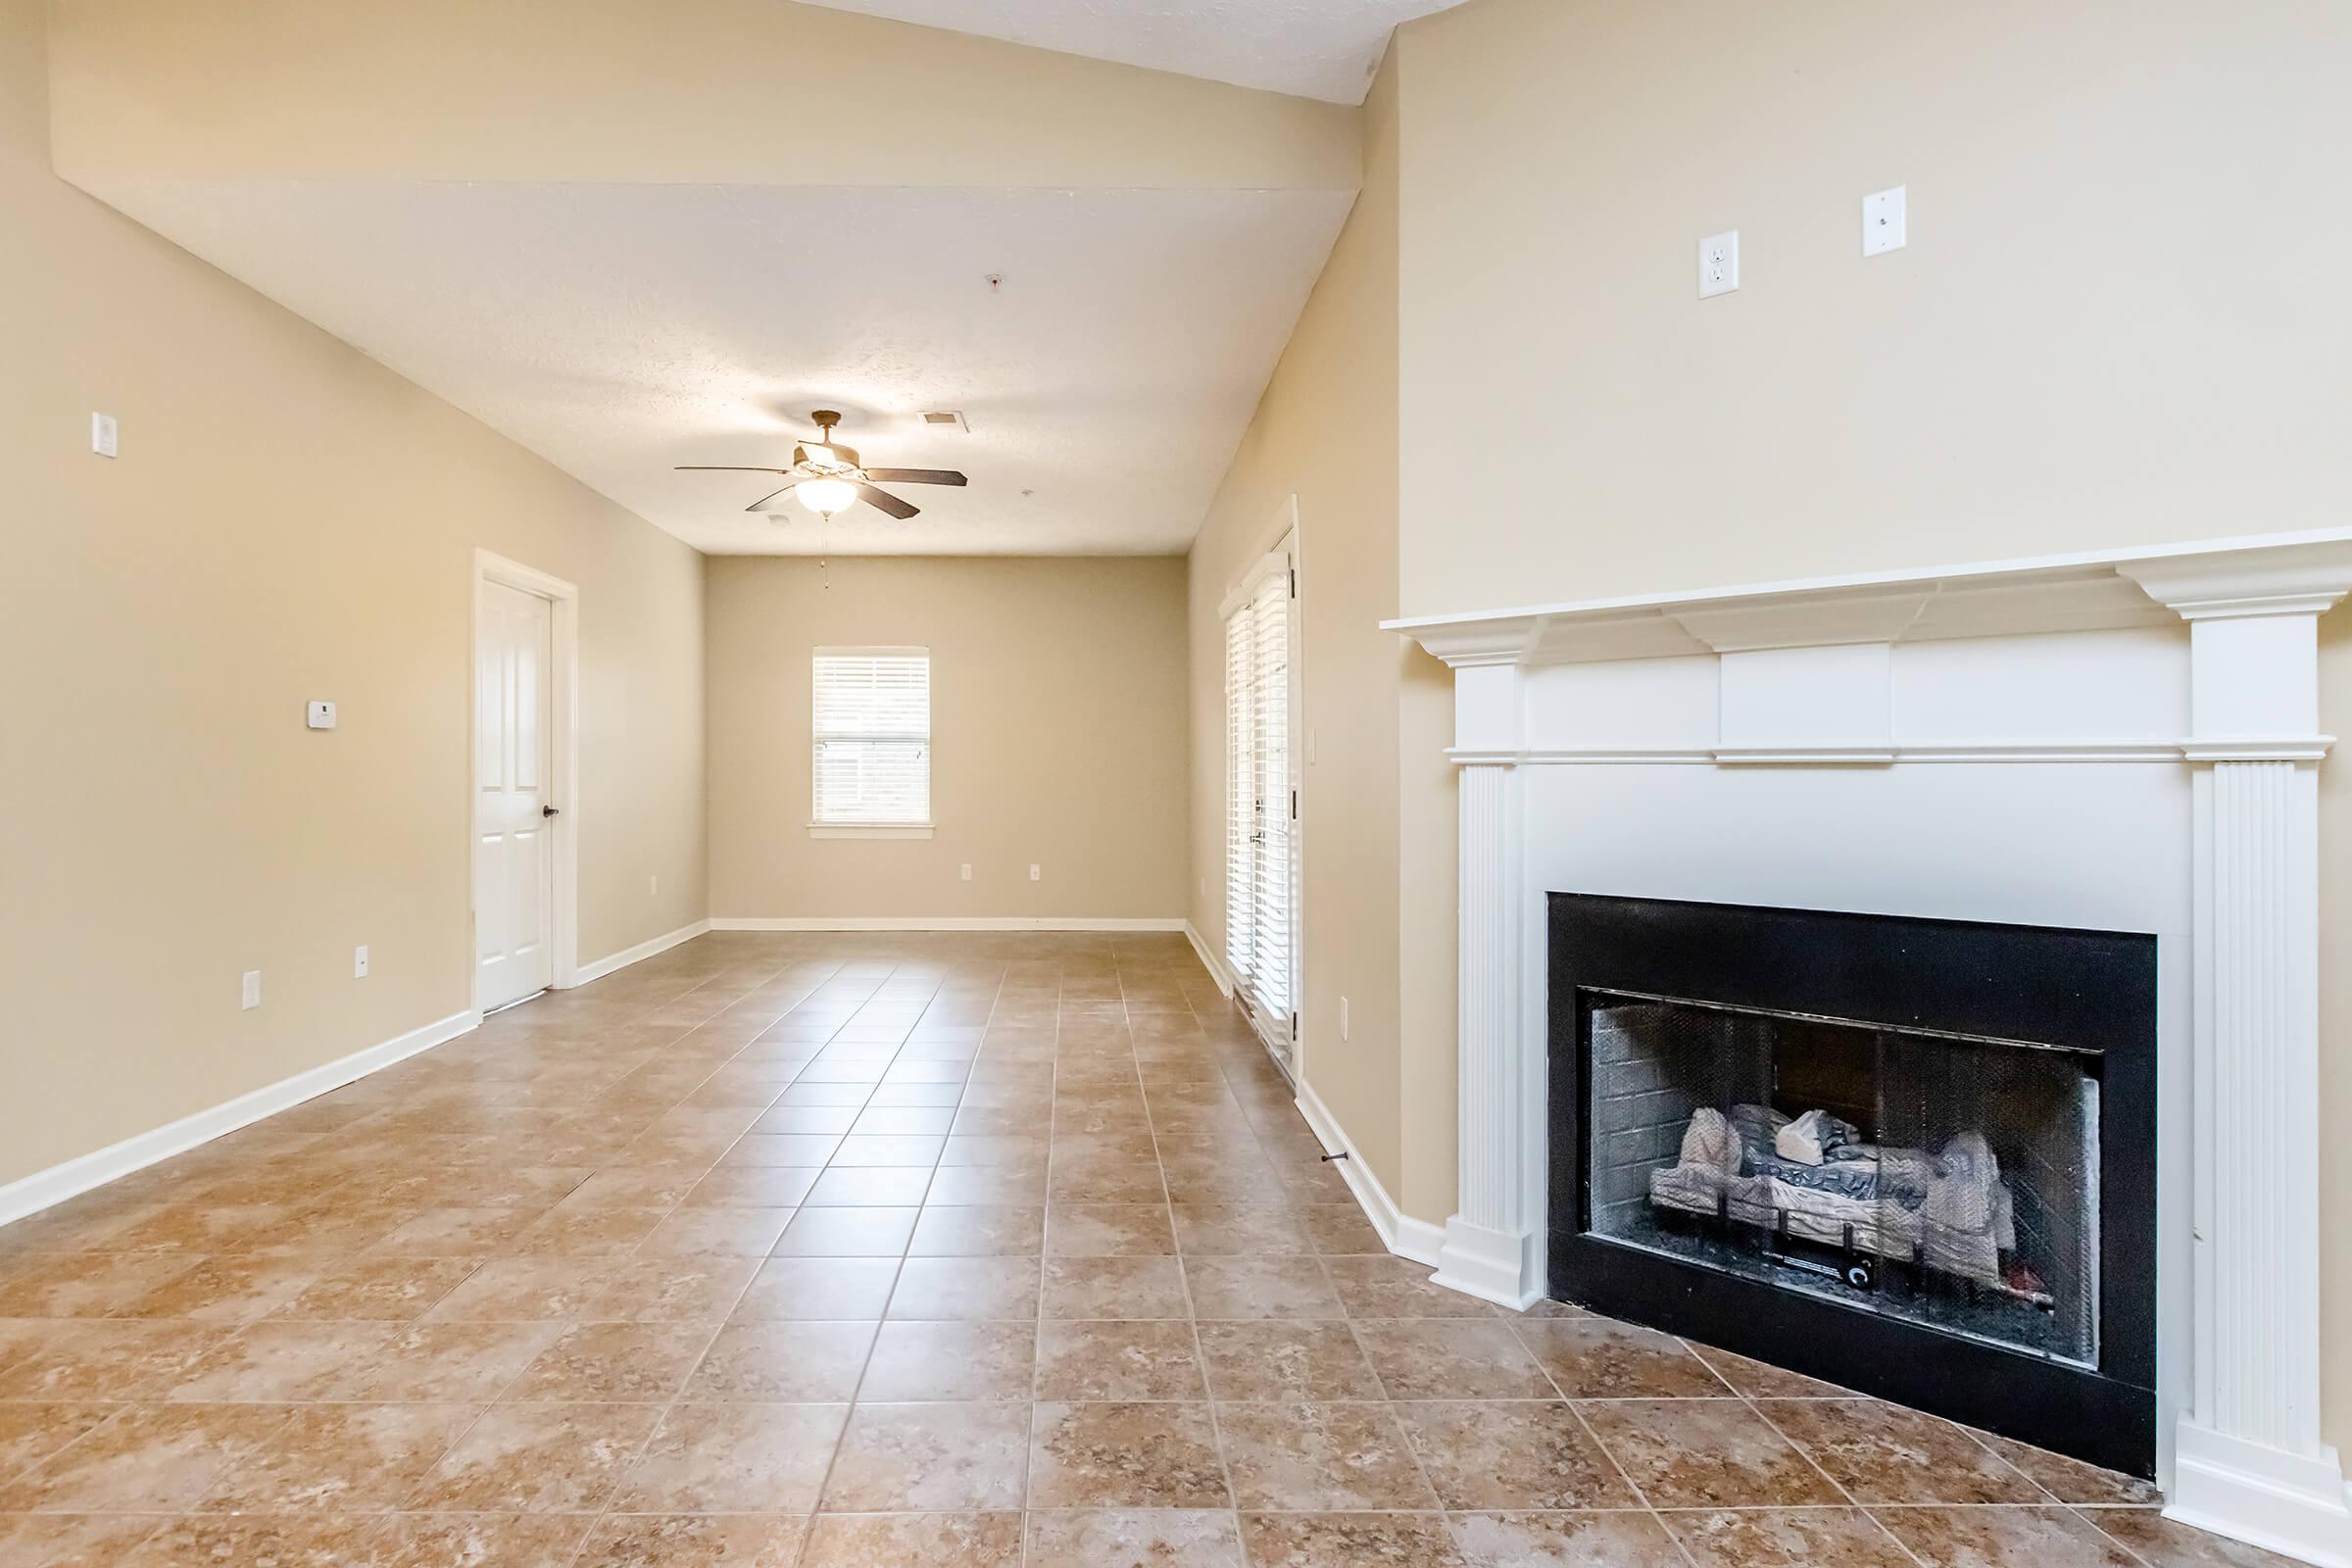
(1921, 1049)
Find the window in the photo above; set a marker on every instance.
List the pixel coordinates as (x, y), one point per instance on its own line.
(1262, 799)
(870, 743)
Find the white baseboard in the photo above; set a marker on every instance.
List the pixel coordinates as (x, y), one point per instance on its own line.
(938, 922)
(2295, 1505)
(31, 1193)
(637, 954)
(1218, 969)
(1399, 1232)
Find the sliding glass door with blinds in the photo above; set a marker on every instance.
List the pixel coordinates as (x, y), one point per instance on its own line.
(1261, 797)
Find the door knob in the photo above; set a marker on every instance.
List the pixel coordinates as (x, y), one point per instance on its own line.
(547, 811)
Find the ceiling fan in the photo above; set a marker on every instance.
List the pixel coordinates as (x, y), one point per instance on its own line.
(825, 477)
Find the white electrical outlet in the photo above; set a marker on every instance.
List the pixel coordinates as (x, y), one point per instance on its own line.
(1718, 263)
(968, 871)
(1883, 222)
(359, 962)
(318, 715)
(1037, 873)
(249, 994)
(106, 437)
(1342, 1017)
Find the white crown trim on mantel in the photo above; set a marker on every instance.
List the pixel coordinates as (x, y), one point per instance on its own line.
(1776, 710)
(2282, 573)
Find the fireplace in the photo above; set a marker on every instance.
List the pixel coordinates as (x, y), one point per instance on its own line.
(1914, 1157)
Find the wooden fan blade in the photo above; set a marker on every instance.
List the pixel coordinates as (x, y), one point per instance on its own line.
(916, 475)
(723, 468)
(884, 501)
(760, 505)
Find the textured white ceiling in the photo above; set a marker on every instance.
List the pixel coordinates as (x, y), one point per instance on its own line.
(617, 330)
(1316, 48)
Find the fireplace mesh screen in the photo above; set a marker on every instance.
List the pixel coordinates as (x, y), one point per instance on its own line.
(1949, 1180)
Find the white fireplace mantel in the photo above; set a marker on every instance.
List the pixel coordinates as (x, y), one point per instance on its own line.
(2126, 739)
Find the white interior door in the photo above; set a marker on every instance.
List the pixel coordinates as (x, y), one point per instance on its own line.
(513, 868)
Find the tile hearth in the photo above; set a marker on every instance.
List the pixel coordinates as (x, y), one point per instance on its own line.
(1007, 1252)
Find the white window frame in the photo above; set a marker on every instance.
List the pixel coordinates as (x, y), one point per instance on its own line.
(869, 830)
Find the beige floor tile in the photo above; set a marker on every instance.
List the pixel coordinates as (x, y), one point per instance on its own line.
(1125, 1455)
(917, 1541)
(693, 1541)
(357, 1458)
(782, 1363)
(1304, 1359)
(1520, 1454)
(1430, 1358)
(1320, 1457)
(1786, 1537)
(1705, 1453)
(915, 1458)
(2003, 1538)
(1118, 1361)
(1133, 1538)
(923, 1360)
(1882, 1454)
(537, 1458)
(734, 1459)
(1350, 1540)
(1599, 1358)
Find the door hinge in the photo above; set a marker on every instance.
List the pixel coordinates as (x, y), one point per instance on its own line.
(1293, 1026)
(1294, 582)
(1294, 806)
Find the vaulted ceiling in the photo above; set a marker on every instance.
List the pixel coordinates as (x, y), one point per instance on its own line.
(631, 238)
(1323, 49)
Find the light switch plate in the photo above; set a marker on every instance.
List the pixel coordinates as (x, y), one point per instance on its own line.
(1883, 222)
(968, 871)
(1036, 872)
(1719, 263)
(321, 715)
(249, 992)
(359, 962)
(105, 436)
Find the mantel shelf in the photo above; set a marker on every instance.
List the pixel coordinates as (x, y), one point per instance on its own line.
(2111, 590)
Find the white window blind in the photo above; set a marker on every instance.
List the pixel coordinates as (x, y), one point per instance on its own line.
(1261, 870)
(872, 736)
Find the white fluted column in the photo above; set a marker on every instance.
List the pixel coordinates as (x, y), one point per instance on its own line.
(1491, 1241)
(1493, 1245)
(2249, 1460)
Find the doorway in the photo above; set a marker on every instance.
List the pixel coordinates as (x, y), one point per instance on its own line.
(1261, 796)
(525, 770)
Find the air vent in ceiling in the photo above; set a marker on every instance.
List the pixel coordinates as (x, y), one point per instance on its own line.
(946, 417)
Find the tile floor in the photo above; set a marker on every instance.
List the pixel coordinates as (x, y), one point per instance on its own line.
(885, 1252)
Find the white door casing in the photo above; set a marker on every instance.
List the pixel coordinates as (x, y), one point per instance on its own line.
(514, 754)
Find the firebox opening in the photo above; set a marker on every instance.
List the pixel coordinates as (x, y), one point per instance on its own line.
(1948, 1181)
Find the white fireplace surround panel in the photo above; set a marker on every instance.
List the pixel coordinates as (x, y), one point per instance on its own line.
(2124, 740)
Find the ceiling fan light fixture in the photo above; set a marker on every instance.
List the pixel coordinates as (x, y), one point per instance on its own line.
(826, 496)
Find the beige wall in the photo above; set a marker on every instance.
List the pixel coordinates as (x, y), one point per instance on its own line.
(682, 92)
(1057, 725)
(2098, 335)
(1324, 432)
(287, 520)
